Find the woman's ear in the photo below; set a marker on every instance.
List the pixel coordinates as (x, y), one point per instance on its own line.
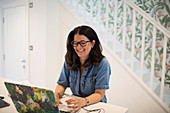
(93, 42)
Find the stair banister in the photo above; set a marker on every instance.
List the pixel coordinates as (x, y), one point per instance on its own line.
(142, 49)
(133, 38)
(91, 12)
(124, 31)
(149, 18)
(115, 27)
(166, 33)
(163, 68)
(84, 10)
(71, 4)
(77, 8)
(153, 57)
(106, 26)
(98, 18)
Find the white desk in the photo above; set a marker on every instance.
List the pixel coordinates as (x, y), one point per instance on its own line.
(108, 108)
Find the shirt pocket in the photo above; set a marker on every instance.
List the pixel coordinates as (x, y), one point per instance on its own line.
(72, 78)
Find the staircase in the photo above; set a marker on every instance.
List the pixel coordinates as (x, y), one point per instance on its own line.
(137, 50)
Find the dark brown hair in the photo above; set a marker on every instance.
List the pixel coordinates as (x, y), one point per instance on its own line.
(95, 55)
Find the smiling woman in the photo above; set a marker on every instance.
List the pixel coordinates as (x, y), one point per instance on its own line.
(86, 71)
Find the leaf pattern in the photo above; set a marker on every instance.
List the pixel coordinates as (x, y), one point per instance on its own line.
(32, 99)
(158, 10)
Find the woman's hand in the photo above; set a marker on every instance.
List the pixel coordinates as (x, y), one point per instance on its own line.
(77, 103)
(58, 99)
(59, 91)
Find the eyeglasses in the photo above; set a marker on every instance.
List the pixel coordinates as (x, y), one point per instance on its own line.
(83, 43)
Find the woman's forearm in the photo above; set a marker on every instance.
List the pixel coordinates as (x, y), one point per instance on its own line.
(78, 103)
(96, 97)
(59, 90)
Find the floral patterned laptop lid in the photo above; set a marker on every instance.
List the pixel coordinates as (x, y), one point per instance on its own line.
(28, 99)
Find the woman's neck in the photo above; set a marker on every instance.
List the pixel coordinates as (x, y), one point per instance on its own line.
(82, 60)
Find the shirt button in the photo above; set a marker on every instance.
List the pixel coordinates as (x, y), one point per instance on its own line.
(81, 84)
(84, 77)
(91, 80)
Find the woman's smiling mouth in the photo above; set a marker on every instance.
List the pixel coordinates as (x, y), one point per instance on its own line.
(81, 50)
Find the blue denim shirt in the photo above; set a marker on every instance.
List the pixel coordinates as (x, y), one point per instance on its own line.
(92, 78)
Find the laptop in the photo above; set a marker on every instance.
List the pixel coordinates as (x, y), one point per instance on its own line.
(29, 99)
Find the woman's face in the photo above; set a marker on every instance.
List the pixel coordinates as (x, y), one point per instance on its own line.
(83, 52)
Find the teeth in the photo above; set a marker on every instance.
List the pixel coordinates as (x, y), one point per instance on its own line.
(81, 50)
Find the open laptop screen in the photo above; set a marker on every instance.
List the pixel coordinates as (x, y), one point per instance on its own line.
(28, 99)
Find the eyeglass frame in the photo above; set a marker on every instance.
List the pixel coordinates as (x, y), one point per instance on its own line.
(72, 42)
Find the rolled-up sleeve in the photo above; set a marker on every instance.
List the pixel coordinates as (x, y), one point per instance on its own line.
(103, 75)
(64, 76)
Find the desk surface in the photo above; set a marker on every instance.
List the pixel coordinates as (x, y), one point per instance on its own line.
(108, 108)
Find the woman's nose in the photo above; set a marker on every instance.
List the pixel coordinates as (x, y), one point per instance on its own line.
(79, 46)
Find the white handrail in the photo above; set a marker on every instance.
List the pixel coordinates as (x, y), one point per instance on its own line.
(150, 19)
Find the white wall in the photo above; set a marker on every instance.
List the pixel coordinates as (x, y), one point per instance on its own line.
(37, 35)
(43, 25)
(1, 53)
(49, 43)
(57, 33)
(43, 36)
(52, 40)
(48, 34)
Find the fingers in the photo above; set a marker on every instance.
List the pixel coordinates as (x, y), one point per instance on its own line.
(75, 107)
(72, 101)
(76, 103)
(60, 102)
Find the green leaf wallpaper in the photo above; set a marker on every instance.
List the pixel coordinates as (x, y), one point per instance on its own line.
(158, 10)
